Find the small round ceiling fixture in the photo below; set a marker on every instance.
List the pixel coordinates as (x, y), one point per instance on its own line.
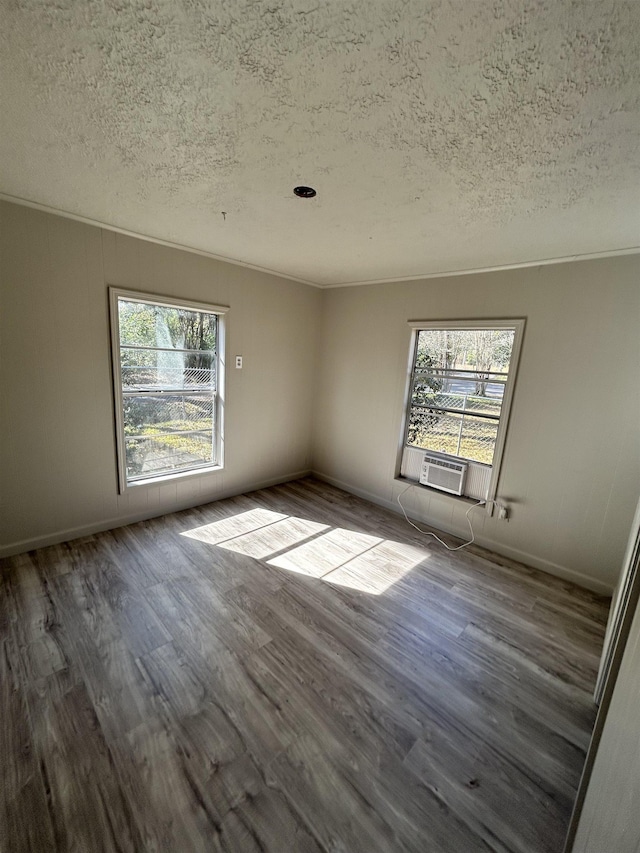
(304, 192)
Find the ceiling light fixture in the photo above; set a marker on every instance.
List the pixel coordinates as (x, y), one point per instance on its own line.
(304, 192)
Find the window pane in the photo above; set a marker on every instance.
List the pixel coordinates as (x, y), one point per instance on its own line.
(465, 371)
(168, 367)
(457, 435)
(480, 350)
(143, 324)
(163, 454)
(156, 369)
(151, 414)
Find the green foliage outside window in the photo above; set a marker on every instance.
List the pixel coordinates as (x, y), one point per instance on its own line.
(153, 359)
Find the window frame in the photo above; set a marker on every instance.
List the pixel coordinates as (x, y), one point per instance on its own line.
(517, 324)
(115, 294)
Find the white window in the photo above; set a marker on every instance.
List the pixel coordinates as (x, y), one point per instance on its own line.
(168, 358)
(460, 391)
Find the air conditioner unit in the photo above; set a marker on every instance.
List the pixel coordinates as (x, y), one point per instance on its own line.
(442, 473)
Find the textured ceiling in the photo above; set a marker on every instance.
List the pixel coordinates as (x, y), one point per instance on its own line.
(440, 136)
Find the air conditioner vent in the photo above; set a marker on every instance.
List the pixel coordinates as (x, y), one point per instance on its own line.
(445, 474)
(443, 463)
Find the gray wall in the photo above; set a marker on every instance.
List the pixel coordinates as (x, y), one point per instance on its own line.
(57, 453)
(571, 469)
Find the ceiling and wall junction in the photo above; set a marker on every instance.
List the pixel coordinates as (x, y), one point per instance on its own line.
(440, 136)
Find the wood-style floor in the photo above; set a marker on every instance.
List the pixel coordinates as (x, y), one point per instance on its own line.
(290, 671)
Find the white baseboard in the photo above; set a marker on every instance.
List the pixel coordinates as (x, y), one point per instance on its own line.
(528, 559)
(111, 523)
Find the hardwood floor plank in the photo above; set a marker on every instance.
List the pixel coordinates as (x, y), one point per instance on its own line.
(77, 766)
(318, 791)
(168, 810)
(25, 821)
(316, 696)
(252, 815)
(238, 632)
(252, 714)
(37, 629)
(493, 796)
(170, 675)
(576, 664)
(290, 671)
(247, 814)
(137, 549)
(485, 678)
(104, 661)
(525, 668)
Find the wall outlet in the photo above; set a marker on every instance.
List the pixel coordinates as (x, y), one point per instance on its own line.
(239, 362)
(497, 509)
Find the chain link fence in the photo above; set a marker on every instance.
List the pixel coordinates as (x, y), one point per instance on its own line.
(463, 434)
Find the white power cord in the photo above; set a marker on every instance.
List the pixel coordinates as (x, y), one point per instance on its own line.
(429, 533)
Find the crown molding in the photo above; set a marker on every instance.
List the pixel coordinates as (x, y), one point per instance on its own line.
(45, 208)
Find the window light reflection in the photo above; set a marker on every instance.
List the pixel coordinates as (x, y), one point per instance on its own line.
(336, 555)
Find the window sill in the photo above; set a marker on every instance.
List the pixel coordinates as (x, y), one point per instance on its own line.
(178, 475)
(458, 499)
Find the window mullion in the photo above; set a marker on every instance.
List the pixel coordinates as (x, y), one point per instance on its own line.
(468, 412)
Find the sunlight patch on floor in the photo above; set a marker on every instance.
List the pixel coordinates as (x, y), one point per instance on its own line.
(326, 553)
(377, 569)
(235, 525)
(335, 555)
(279, 536)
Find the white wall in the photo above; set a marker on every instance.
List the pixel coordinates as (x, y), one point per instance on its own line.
(571, 469)
(57, 453)
(610, 818)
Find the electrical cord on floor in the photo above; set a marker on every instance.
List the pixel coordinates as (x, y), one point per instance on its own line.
(437, 538)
